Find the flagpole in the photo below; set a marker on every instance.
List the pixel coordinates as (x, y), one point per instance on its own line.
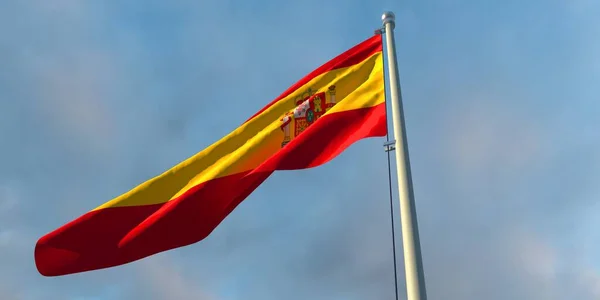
(413, 262)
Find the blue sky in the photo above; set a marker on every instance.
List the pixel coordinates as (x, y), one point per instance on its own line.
(502, 115)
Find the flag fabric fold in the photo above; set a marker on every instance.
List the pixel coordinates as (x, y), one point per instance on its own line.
(311, 123)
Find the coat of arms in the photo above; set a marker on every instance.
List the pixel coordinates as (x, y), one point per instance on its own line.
(309, 108)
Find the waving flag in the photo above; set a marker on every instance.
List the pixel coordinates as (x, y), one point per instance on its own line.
(312, 122)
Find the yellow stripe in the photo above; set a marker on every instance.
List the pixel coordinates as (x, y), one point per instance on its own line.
(357, 86)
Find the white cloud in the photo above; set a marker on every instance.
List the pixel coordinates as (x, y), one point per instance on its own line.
(69, 77)
(535, 259)
(8, 198)
(7, 293)
(159, 279)
(547, 273)
(470, 257)
(590, 280)
(6, 237)
(75, 97)
(482, 135)
(11, 239)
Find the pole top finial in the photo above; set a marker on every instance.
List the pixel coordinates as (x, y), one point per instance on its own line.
(388, 17)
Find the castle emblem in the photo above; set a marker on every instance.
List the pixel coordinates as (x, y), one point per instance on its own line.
(309, 108)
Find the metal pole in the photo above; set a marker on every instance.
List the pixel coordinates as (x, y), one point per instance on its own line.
(413, 263)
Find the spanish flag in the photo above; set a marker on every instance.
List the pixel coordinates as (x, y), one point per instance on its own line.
(312, 122)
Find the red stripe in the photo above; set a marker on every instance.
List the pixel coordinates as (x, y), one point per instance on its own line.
(349, 58)
(114, 236)
(327, 138)
(93, 240)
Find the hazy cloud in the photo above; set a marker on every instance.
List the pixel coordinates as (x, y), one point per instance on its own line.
(483, 136)
(8, 198)
(500, 112)
(161, 280)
